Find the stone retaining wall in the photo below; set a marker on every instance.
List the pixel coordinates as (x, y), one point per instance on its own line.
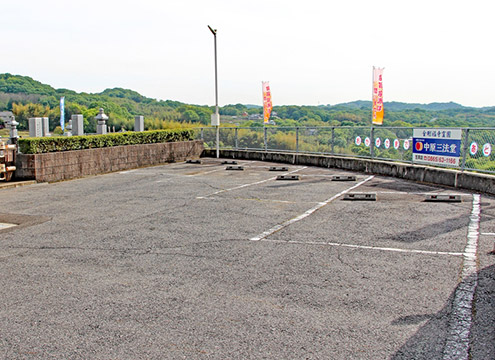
(458, 179)
(66, 165)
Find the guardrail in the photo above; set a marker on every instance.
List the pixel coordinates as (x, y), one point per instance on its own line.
(382, 143)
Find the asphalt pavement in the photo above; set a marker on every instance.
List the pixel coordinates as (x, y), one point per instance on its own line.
(192, 261)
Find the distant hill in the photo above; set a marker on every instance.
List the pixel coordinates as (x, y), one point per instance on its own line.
(27, 97)
(399, 106)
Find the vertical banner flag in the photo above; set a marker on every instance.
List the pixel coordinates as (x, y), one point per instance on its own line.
(377, 96)
(267, 101)
(62, 112)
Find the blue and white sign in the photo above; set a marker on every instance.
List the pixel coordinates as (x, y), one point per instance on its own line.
(62, 112)
(437, 146)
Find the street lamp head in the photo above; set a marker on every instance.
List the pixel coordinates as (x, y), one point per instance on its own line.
(213, 31)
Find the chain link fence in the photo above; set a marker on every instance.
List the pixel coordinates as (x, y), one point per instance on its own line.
(384, 143)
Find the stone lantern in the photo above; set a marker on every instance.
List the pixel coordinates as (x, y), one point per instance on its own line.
(13, 130)
(101, 128)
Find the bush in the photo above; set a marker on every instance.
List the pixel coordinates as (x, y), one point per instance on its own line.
(65, 143)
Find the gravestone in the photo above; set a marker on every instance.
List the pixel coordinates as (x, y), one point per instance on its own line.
(45, 130)
(77, 125)
(139, 123)
(35, 127)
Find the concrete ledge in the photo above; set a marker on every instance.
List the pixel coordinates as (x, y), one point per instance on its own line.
(67, 165)
(454, 178)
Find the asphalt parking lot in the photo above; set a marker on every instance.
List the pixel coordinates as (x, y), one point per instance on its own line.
(192, 261)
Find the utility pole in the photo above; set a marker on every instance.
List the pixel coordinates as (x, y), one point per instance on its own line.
(215, 118)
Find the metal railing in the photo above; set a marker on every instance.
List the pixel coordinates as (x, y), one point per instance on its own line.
(383, 143)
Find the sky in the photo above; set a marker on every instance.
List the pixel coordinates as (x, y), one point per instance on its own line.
(312, 52)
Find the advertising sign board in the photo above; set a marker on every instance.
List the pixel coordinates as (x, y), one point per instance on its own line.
(437, 146)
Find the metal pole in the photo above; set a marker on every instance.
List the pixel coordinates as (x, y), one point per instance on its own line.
(264, 138)
(297, 139)
(372, 142)
(216, 95)
(214, 32)
(465, 149)
(236, 139)
(333, 140)
(218, 140)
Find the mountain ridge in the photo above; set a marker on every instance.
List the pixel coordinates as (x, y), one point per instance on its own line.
(14, 84)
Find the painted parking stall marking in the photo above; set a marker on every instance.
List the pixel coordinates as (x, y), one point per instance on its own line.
(279, 227)
(246, 185)
(457, 345)
(367, 247)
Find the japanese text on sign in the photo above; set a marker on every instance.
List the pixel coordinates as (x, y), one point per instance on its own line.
(267, 101)
(437, 146)
(377, 117)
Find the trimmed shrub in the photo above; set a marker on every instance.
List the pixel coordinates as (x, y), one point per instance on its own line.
(41, 145)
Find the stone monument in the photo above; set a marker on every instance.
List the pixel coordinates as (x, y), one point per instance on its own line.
(35, 127)
(139, 123)
(101, 128)
(77, 125)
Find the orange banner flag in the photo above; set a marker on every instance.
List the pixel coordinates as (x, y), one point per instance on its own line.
(267, 101)
(377, 118)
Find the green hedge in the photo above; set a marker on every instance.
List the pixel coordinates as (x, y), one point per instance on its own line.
(41, 145)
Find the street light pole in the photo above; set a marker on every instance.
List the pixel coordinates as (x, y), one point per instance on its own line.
(215, 119)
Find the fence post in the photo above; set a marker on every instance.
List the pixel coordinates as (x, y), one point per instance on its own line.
(333, 140)
(372, 144)
(465, 149)
(297, 139)
(202, 137)
(236, 139)
(264, 140)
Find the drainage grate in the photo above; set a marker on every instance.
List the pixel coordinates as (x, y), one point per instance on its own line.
(360, 196)
(288, 177)
(233, 162)
(343, 178)
(234, 168)
(443, 198)
(280, 168)
(190, 161)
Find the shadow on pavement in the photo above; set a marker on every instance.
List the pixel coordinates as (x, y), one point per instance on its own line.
(429, 341)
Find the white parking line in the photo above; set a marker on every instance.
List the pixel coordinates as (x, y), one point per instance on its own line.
(461, 318)
(6, 225)
(205, 172)
(279, 227)
(246, 185)
(365, 247)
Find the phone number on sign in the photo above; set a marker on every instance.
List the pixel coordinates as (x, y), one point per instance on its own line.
(437, 159)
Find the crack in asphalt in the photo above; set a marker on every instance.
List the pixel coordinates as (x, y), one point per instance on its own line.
(350, 266)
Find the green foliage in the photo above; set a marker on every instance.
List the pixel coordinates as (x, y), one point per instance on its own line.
(65, 143)
(23, 84)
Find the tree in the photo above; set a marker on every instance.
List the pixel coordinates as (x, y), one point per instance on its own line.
(190, 115)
